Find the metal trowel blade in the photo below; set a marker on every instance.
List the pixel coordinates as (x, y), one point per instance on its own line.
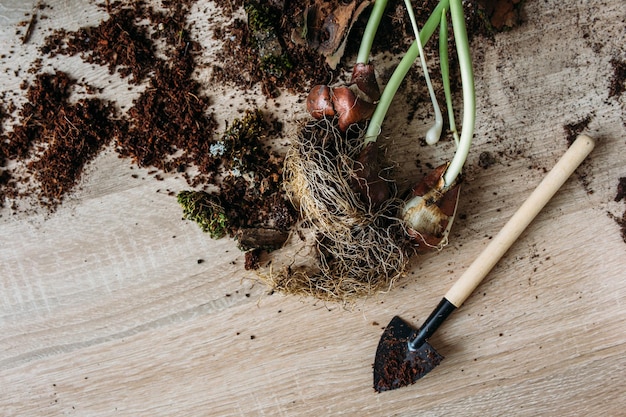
(395, 365)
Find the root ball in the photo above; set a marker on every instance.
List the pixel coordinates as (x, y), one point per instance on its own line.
(359, 249)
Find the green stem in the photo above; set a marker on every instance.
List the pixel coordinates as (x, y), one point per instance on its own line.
(434, 133)
(469, 96)
(445, 73)
(374, 127)
(370, 31)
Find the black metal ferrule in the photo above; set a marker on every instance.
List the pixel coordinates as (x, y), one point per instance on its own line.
(432, 323)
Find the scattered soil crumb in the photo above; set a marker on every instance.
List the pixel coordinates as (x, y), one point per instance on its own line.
(621, 189)
(252, 258)
(486, 159)
(572, 130)
(618, 80)
(621, 195)
(503, 14)
(621, 222)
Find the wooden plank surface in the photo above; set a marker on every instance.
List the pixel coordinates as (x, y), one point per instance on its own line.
(105, 309)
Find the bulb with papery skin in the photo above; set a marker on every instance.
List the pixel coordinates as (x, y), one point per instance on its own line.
(350, 109)
(429, 213)
(352, 103)
(319, 103)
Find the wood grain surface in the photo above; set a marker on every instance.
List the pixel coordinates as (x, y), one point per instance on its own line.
(105, 309)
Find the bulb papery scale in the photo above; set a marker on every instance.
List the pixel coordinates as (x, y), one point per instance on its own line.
(429, 213)
(422, 214)
(364, 77)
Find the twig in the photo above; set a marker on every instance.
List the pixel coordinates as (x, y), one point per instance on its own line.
(31, 23)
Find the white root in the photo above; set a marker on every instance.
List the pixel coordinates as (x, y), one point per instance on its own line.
(359, 251)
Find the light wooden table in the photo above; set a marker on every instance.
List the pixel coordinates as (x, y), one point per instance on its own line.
(105, 310)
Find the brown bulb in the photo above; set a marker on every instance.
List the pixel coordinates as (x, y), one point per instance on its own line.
(318, 102)
(350, 109)
(428, 215)
(365, 79)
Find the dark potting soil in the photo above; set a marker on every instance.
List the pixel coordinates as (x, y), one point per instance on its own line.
(395, 366)
(170, 126)
(119, 43)
(4, 175)
(172, 114)
(241, 63)
(63, 135)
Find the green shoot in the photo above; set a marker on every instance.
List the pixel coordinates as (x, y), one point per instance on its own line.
(437, 18)
(434, 133)
(445, 73)
(374, 127)
(469, 95)
(370, 31)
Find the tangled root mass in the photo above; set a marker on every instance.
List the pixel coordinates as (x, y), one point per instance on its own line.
(359, 250)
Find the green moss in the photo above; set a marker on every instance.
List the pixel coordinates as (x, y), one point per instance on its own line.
(206, 210)
(244, 130)
(277, 66)
(262, 23)
(260, 17)
(241, 140)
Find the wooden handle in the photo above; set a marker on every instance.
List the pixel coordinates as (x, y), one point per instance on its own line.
(557, 176)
